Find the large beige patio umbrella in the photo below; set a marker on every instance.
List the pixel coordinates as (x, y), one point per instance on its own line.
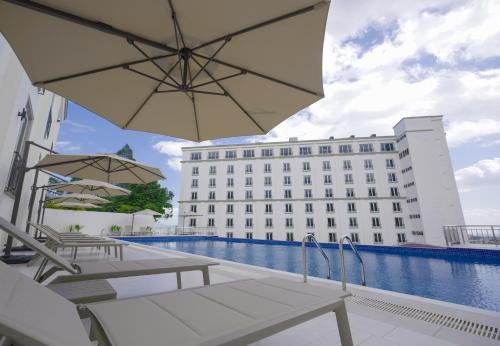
(77, 205)
(144, 212)
(78, 198)
(93, 187)
(104, 167)
(191, 69)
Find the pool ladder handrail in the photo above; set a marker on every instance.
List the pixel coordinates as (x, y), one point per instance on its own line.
(304, 255)
(342, 264)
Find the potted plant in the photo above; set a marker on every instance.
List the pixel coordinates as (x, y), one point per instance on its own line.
(115, 229)
(75, 228)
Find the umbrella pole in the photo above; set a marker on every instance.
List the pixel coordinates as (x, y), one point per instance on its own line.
(32, 199)
(132, 230)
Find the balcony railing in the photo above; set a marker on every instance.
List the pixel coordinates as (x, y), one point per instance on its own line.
(14, 173)
(488, 235)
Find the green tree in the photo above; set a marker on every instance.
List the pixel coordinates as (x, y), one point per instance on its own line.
(126, 152)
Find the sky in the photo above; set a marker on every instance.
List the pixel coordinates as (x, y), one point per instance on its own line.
(382, 60)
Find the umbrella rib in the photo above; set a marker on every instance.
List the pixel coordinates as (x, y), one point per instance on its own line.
(232, 98)
(193, 101)
(209, 60)
(61, 163)
(219, 79)
(103, 27)
(95, 160)
(176, 22)
(260, 25)
(150, 77)
(207, 92)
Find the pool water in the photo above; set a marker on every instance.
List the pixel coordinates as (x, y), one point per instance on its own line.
(473, 281)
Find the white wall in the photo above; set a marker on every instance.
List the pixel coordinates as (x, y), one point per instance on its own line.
(94, 222)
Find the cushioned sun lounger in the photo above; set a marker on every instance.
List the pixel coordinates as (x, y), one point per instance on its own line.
(234, 313)
(81, 271)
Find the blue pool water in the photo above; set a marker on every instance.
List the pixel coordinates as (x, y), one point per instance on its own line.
(470, 280)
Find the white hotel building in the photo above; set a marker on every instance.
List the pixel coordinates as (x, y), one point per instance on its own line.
(380, 190)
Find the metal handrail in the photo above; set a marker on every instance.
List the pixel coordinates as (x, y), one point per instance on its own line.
(342, 264)
(304, 257)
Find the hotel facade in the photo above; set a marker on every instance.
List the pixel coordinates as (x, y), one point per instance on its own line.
(384, 190)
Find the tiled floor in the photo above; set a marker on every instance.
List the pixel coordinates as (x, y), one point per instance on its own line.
(369, 327)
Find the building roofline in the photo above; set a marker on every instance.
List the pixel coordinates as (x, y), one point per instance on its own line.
(419, 117)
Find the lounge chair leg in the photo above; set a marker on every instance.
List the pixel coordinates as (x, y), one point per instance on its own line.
(121, 252)
(343, 326)
(116, 252)
(74, 253)
(206, 277)
(179, 281)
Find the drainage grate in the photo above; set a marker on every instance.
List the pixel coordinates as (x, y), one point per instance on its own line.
(459, 324)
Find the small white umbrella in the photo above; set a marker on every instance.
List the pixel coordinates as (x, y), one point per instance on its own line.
(78, 198)
(144, 212)
(93, 187)
(77, 205)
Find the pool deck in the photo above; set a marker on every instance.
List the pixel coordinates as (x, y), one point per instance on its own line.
(377, 317)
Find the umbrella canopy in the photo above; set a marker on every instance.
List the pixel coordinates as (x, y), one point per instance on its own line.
(148, 212)
(79, 198)
(103, 167)
(191, 69)
(93, 187)
(77, 205)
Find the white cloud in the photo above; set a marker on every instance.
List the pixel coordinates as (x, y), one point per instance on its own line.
(173, 150)
(462, 132)
(78, 127)
(481, 174)
(479, 216)
(66, 146)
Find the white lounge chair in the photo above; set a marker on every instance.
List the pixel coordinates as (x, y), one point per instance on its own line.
(83, 271)
(234, 313)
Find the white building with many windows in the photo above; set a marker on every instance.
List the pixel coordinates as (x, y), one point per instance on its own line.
(380, 190)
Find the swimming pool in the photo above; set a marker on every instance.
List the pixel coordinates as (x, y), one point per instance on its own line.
(451, 276)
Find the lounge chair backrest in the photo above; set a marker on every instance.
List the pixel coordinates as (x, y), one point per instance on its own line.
(34, 315)
(39, 248)
(44, 230)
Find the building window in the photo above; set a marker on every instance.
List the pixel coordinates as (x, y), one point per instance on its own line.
(345, 148)
(230, 169)
(248, 181)
(267, 168)
(326, 166)
(267, 181)
(213, 155)
(330, 222)
(394, 192)
(372, 192)
(269, 223)
(289, 236)
(375, 222)
(193, 208)
(329, 193)
(194, 183)
(229, 234)
(285, 151)
(194, 196)
(192, 222)
(332, 237)
(325, 149)
(347, 165)
(307, 180)
(288, 208)
(248, 208)
(401, 238)
(230, 182)
(288, 193)
(230, 154)
(308, 193)
(230, 195)
(211, 195)
(396, 207)
(373, 207)
(211, 182)
(309, 207)
(351, 207)
(249, 235)
(229, 222)
(398, 222)
(289, 222)
(330, 208)
(48, 125)
(306, 166)
(386, 146)
(268, 194)
(229, 209)
(211, 222)
(287, 180)
(196, 156)
(269, 208)
(213, 170)
(391, 177)
(349, 192)
(389, 163)
(304, 151)
(248, 223)
(368, 164)
(309, 222)
(327, 179)
(211, 208)
(267, 152)
(355, 237)
(370, 178)
(286, 167)
(269, 235)
(194, 171)
(348, 178)
(366, 148)
(248, 168)
(248, 153)
(377, 238)
(248, 194)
